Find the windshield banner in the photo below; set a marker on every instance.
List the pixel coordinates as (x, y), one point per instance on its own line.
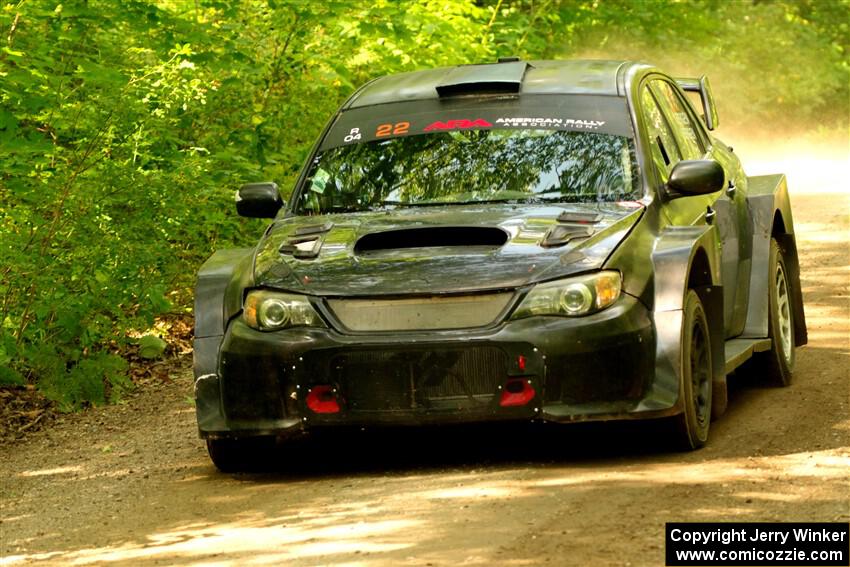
(607, 115)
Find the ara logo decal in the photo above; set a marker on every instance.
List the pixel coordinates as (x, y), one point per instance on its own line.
(455, 124)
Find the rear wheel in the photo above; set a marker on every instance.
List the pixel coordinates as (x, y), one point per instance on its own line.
(235, 455)
(691, 426)
(775, 366)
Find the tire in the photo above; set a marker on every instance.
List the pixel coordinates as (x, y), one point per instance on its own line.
(775, 367)
(239, 455)
(691, 426)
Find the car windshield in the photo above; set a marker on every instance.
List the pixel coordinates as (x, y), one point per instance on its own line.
(472, 166)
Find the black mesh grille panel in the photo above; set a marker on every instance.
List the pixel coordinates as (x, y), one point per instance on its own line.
(392, 380)
(251, 389)
(621, 373)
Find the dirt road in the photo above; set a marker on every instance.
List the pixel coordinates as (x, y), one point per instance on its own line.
(131, 484)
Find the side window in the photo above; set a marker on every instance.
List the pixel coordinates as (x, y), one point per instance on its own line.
(692, 146)
(665, 151)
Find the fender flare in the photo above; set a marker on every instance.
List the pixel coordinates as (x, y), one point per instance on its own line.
(770, 211)
(215, 303)
(679, 251)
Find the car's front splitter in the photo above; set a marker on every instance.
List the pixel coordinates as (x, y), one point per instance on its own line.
(541, 368)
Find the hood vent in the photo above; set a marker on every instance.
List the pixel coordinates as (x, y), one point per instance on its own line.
(579, 217)
(560, 234)
(428, 237)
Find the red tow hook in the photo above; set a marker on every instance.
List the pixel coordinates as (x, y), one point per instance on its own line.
(323, 399)
(517, 392)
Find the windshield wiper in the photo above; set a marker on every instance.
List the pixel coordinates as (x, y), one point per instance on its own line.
(339, 209)
(558, 197)
(415, 204)
(531, 199)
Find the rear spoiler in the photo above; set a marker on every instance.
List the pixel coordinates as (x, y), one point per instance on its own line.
(702, 87)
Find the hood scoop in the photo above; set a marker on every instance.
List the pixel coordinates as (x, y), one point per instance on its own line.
(429, 237)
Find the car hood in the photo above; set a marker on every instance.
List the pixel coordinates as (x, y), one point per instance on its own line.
(436, 250)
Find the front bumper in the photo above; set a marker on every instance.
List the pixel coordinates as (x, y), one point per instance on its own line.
(597, 367)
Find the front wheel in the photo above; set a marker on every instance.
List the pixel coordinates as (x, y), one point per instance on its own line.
(235, 455)
(691, 426)
(776, 366)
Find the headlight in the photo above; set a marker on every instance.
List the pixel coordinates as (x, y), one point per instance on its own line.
(572, 297)
(270, 310)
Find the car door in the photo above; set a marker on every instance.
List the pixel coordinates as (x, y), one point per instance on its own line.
(661, 100)
(732, 214)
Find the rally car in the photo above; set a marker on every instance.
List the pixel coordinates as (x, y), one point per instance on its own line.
(523, 240)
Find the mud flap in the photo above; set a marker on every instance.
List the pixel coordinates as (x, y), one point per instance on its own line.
(788, 243)
(208, 404)
(711, 297)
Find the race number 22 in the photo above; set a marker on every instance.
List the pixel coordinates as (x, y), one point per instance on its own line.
(396, 129)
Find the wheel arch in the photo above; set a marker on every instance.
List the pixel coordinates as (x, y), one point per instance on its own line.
(699, 273)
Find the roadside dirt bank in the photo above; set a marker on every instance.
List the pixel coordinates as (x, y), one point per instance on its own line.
(131, 484)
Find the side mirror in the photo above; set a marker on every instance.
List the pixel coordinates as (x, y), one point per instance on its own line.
(696, 177)
(258, 200)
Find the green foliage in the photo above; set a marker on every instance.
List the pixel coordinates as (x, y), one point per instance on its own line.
(93, 380)
(123, 132)
(151, 346)
(769, 60)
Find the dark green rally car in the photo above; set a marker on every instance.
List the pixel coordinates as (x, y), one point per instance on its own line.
(543, 240)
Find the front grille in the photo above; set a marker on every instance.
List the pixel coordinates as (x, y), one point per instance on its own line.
(420, 313)
(405, 380)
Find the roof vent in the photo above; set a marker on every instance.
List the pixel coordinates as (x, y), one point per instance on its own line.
(501, 78)
(511, 59)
